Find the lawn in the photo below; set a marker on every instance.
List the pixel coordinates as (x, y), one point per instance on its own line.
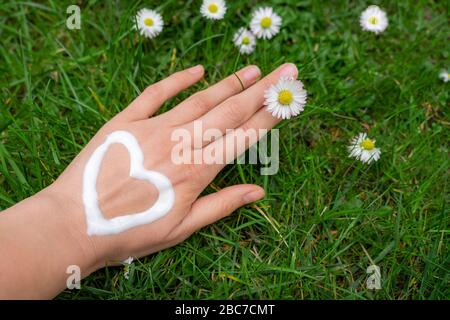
(325, 218)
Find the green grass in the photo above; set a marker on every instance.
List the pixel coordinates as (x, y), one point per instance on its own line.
(335, 216)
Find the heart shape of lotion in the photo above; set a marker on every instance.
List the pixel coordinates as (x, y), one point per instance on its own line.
(96, 222)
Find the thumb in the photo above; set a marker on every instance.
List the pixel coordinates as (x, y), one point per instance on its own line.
(215, 206)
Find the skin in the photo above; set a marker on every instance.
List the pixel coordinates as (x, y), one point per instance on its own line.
(44, 234)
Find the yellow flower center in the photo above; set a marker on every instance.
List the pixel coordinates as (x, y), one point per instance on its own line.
(246, 40)
(266, 22)
(148, 22)
(367, 144)
(285, 97)
(373, 20)
(213, 8)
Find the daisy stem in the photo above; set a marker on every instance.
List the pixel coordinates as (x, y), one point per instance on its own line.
(236, 61)
(241, 173)
(264, 52)
(208, 36)
(266, 182)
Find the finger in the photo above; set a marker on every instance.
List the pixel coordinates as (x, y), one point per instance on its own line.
(215, 206)
(227, 148)
(155, 95)
(238, 109)
(201, 102)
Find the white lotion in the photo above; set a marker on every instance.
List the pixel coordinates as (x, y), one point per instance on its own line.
(96, 222)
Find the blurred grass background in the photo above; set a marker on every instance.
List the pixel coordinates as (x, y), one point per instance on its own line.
(334, 217)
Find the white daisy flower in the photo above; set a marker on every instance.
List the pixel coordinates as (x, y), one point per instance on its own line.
(126, 270)
(244, 40)
(128, 260)
(444, 75)
(285, 99)
(149, 23)
(373, 19)
(265, 23)
(213, 9)
(363, 148)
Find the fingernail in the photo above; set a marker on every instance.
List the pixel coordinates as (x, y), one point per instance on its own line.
(252, 73)
(196, 69)
(288, 70)
(253, 196)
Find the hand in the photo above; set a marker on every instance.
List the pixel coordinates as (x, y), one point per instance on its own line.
(224, 105)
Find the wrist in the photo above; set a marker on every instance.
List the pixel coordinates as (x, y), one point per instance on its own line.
(40, 238)
(69, 230)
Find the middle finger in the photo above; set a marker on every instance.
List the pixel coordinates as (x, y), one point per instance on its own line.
(236, 110)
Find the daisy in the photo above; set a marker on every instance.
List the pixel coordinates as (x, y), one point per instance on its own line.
(127, 263)
(213, 9)
(244, 40)
(285, 99)
(149, 23)
(265, 23)
(444, 75)
(363, 148)
(373, 19)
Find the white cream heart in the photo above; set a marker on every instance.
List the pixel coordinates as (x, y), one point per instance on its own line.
(96, 222)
